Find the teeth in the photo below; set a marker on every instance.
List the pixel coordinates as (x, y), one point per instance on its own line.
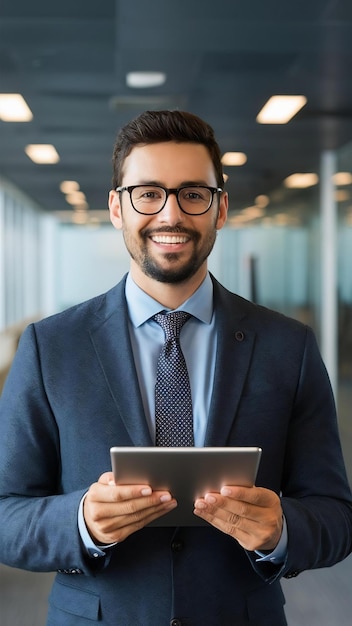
(169, 239)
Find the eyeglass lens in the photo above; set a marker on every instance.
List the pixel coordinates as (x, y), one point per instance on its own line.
(150, 199)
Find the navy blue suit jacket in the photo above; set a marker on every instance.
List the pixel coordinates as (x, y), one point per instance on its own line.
(72, 393)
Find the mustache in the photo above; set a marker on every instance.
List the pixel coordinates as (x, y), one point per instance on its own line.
(172, 230)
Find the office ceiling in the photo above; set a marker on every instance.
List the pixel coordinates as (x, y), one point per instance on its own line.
(223, 60)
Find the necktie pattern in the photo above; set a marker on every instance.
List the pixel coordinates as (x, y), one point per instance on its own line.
(173, 400)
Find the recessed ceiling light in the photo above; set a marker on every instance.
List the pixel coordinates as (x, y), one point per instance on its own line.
(262, 201)
(342, 195)
(82, 207)
(141, 80)
(253, 212)
(234, 158)
(42, 153)
(280, 109)
(68, 186)
(282, 219)
(79, 218)
(342, 178)
(301, 181)
(13, 108)
(238, 221)
(75, 197)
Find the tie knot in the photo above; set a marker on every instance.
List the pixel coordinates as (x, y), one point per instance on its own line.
(172, 323)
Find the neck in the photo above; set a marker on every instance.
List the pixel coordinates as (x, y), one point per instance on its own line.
(170, 295)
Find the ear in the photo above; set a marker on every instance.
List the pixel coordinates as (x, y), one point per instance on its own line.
(115, 209)
(223, 209)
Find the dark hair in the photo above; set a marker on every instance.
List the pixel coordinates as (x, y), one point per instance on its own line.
(161, 126)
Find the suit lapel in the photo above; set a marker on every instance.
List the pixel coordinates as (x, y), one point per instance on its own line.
(111, 340)
(235, 345)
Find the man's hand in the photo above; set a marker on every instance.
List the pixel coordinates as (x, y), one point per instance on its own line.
(252, 515)
(113, 512)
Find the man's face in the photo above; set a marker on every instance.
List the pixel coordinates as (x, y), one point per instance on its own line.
(170, 246)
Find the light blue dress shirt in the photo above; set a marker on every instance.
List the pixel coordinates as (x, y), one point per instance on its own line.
(198, 344)
(198, 341)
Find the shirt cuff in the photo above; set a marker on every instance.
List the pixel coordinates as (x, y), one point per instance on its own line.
(91, 548)
(279, 554)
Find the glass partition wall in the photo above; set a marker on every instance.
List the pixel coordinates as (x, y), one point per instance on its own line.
(275, 257)
(344, 297)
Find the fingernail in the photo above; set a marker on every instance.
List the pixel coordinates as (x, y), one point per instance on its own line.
(225, 491)
(146, 491)
(165, 498)
(210, 499)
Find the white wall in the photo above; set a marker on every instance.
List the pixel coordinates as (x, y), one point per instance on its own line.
(89, 261)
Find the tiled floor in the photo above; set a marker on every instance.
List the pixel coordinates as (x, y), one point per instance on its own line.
(316, 598)
(324, 597)
(320, 597)
(23, 597)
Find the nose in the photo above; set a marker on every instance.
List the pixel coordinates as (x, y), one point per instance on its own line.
(171, 212)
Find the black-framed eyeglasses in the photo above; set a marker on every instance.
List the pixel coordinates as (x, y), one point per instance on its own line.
(151, 199)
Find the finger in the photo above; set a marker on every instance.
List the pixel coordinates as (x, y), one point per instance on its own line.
(254, 527)
(244, 531)
(123, 493)
(140, 517)
(257, 496)
(217, 509)
(104, 502)
(154, 513)
(116, 523)
(228, 508)
(103, 491)
(215, 503)
(108, 479)
(228, 523)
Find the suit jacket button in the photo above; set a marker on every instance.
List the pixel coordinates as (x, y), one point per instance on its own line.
(175, 622)
(177, 546)
(239, 335)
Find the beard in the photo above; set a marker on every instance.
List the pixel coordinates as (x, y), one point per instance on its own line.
(174, 272)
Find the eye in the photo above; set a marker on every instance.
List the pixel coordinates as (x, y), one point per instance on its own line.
(195, 194)
(149, 194)
(146, 193)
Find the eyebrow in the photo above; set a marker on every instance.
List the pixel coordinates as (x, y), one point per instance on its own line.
(187, 183)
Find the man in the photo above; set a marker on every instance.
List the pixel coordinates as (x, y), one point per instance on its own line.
(83, 381)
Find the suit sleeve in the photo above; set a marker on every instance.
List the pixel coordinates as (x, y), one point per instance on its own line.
(38, 520)
(316, 497)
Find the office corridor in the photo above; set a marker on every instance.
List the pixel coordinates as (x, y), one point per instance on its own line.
(314, 598)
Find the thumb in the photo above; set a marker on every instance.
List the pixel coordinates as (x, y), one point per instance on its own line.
(107, 479)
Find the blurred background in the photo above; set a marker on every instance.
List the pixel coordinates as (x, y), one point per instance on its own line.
(273, 80)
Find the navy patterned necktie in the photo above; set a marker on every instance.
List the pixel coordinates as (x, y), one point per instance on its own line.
(173, 401)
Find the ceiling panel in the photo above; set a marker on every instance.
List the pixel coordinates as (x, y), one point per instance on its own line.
(222, 60)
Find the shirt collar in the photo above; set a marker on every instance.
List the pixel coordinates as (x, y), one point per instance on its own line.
(141, 306)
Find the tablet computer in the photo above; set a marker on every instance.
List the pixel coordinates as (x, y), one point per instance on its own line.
(188, 473)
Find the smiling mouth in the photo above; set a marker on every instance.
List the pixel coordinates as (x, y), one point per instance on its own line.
(170, 239)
